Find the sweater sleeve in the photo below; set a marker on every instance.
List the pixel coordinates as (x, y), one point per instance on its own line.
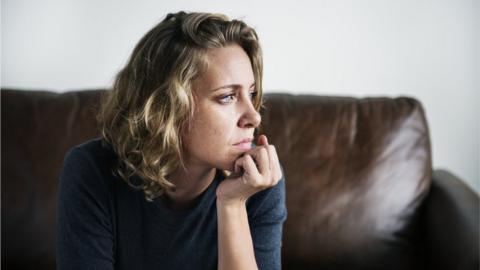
(84, 224)
(268, 213)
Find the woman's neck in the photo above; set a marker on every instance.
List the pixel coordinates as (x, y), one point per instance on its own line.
(189, 186)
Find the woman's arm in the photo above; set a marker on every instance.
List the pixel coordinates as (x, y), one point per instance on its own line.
(257, 170)
(235, 247)
(266, 214)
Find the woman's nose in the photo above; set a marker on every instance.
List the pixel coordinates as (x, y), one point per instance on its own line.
(250, 117)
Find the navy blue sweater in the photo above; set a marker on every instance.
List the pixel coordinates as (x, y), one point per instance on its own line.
(103, 223)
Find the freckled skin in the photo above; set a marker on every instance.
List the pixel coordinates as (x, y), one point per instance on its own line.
(217, 126)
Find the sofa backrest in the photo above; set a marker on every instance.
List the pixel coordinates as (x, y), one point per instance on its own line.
(357, 171)
(38, 128)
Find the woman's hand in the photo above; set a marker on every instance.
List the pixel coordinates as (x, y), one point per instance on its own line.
(256, 170)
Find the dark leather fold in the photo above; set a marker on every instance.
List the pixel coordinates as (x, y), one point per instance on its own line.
(452, 224)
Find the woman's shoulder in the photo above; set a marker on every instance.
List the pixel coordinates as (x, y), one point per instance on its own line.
(94, 151)
(89, 163)
(96, 147)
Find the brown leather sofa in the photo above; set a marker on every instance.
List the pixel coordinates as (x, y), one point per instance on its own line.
(361, 193)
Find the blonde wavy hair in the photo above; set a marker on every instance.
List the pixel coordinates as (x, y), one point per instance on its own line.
(151, 103)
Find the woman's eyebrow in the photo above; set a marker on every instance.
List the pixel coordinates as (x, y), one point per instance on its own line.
(232, 86)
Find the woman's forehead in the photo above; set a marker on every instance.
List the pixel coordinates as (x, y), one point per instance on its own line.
(226, 66)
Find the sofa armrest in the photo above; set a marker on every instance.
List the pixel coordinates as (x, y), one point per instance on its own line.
(452, 224)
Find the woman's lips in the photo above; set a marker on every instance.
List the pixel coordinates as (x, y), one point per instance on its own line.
(244, 145)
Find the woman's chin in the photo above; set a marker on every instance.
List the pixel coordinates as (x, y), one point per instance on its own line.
(227, 167)
(228, 162)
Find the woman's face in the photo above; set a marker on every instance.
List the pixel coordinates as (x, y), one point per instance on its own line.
(224, 112)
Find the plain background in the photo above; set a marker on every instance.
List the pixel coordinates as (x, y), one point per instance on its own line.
(427, 49)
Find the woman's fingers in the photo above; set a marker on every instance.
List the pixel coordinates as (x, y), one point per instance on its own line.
(250, 170)
(260, 165)
(272, 170)
(275, 171)
(264, 162)
(262, 140)
(238, 167)
(257, 169)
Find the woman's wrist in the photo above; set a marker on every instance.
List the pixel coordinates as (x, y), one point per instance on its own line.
(231, 204)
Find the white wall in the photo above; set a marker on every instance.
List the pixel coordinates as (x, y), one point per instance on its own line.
(428, 49)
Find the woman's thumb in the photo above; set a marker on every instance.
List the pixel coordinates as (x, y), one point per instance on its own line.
(262, 140)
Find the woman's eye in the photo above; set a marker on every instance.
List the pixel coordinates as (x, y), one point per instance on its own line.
(232, 97)
(253, 95)
(228, 98)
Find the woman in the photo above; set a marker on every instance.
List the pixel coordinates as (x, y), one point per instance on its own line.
(175, 181)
